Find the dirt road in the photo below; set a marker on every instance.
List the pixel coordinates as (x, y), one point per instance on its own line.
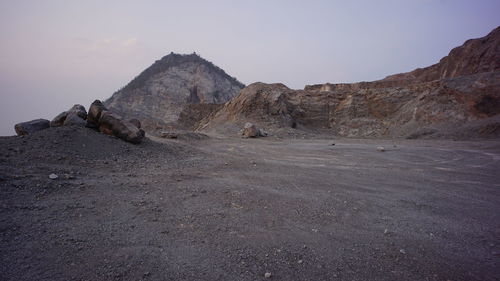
(235, 209)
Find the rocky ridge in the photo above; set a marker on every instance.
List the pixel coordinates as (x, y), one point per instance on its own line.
(459, 97)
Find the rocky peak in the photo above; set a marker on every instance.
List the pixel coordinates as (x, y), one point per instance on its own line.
(173, 60)
(159, 93)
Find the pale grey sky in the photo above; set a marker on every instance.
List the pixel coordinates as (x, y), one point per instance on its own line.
(55, 53)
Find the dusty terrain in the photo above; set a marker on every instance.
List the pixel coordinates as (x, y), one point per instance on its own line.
(234, 209)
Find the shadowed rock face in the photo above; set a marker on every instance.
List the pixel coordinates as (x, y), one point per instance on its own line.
(458, 97)
(157, 96)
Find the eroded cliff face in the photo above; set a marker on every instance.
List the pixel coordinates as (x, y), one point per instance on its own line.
(457, 98)
(460, 107)
(158, 95)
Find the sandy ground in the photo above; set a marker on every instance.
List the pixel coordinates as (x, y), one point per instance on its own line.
(235, 209)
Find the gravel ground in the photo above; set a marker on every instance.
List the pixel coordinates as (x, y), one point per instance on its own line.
(236, 209)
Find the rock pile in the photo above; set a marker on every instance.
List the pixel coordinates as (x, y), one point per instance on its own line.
(98, 117)
(110, 123)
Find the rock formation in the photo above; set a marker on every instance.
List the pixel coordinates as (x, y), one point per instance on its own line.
(158, 95)
(459, 97)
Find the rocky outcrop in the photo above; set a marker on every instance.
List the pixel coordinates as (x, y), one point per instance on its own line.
(30, 127)
(458, 97)
(158, 95)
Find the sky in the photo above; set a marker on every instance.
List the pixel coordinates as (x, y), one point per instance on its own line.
(56, 53)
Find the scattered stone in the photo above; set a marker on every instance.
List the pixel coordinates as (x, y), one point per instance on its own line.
(386, 231)
(53, 176)
(380, 148)
(267, 275)
(30, 127)
(300, 261)
(402, 251)
(333, 143)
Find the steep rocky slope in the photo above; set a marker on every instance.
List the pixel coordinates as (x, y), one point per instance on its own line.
(474, 56)
(456, 98)
(157, 96)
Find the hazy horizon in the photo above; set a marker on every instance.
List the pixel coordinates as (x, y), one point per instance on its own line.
(58, 53)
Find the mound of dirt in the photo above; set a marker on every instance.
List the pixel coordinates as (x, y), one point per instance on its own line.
(74, 146)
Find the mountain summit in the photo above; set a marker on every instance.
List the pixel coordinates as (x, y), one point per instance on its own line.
(160, 92)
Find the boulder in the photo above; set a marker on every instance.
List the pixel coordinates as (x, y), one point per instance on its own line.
(78, 110)
(78, 116)
(73, 119)
(251, 131)
(29, 127)
(113, 124)
(136, 122)
(59, 119)
(95, 110)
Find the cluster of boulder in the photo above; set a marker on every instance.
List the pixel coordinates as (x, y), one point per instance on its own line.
(98, 118)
